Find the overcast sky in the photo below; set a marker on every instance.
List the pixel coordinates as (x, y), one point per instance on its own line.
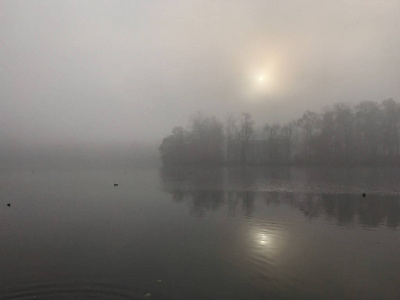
(120, 71)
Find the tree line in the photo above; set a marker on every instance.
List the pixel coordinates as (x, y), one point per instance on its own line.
(365, 133)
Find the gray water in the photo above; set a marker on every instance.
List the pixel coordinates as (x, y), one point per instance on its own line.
(201, 233)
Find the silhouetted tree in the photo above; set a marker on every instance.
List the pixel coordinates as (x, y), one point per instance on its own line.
(368, 123)
(244, 133)
(207, 139)
(203, 143)
(230, 130)
(325, 147)
(390, 127)
(287, 132)
(309, 123)
(368, 132)
(174, 148)
(273, 140)
(344, 118)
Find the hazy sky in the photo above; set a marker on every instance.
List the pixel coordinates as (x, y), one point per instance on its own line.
(116, 71)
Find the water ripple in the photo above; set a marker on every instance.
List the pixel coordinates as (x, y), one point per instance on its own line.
(72, 291)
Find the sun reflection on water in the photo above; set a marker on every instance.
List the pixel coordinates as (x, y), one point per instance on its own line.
(264, 239)
(264, 248)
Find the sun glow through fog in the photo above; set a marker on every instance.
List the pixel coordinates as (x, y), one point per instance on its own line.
(260, 85)
(262, 73)
(263, 79)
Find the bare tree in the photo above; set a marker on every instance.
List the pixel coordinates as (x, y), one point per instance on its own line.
(287, 132)
(206, 138)
(174, 148)
(368, 132)
(344, 119)
(272, 132)
(326, 139)
(244, 133)
(391, 121)
(230, 130)
(309, 123)
(369, 124)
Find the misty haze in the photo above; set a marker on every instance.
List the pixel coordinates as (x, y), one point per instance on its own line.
(199, 149)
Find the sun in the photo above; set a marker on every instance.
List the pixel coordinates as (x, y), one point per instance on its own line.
(262, 79)
(260, 85)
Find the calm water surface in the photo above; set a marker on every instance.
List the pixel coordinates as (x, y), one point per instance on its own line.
(201, 233)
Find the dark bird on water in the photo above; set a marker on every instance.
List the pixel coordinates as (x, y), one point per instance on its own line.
(115, 184)
(364, 195)
(9, 204)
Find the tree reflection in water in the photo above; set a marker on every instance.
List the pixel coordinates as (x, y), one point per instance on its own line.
(209, 189)
(206, 200)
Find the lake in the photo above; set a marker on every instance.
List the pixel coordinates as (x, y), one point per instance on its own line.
(201, 233)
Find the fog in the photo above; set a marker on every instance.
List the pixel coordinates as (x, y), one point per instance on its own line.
(209, 149)
(84, 74)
